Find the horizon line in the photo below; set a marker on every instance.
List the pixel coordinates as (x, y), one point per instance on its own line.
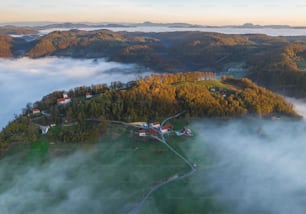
(144, 22)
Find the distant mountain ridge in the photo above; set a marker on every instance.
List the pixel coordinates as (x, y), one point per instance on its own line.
(47, 25)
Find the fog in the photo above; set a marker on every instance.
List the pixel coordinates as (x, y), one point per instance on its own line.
(75, 183)
(256, 166)
(299, 106)
(27, 80)
(225, 30)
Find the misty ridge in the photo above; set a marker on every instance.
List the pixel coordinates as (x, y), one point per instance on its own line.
(27, 80)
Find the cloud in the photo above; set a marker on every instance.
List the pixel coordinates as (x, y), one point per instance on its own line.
(28, 80)
(257, 166)
(74, 183)
(299, 106)
(225, 30)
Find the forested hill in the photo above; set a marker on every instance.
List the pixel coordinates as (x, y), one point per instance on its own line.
(170, 51)
(278, 63)
(153, 97)
(6, 46)
(177, 51)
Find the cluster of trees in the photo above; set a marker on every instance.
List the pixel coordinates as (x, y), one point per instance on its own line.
(76, 43)
(18, 130)
(280, 72)
(259, 100)
(17, 30)
(5, 46)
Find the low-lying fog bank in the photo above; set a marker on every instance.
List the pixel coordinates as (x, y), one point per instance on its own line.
(71, 184)
(258, 166)
(299, 105)
(28, 80)
(226, 30)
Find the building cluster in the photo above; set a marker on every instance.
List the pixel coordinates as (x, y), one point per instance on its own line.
(222, 91)
(66, 99)
(155, 129)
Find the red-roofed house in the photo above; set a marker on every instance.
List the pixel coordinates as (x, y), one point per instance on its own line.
(154, 125)
(64, 100)
(141, 133)
(88, 95)
(35, 111)
(166, 128)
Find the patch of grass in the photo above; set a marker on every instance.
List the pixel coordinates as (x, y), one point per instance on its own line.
(209, 84)
(180, 123)
(39, 148)
(213, 84)
(55, 130)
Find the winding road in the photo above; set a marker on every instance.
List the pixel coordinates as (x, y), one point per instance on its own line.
(171, 179)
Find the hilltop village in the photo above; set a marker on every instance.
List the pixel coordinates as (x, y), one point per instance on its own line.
(84, 113)
(143, 129)
(155, 129)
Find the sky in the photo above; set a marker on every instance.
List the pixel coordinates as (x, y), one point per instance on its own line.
(217, 12)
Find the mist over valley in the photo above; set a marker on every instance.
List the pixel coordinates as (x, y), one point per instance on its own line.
(27, 80)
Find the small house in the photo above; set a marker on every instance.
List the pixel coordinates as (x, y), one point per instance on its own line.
(154, 125)
(141, 133)
(64, 100)
(35, 111)
(166, 128)
(44, 129)
(88, 95)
